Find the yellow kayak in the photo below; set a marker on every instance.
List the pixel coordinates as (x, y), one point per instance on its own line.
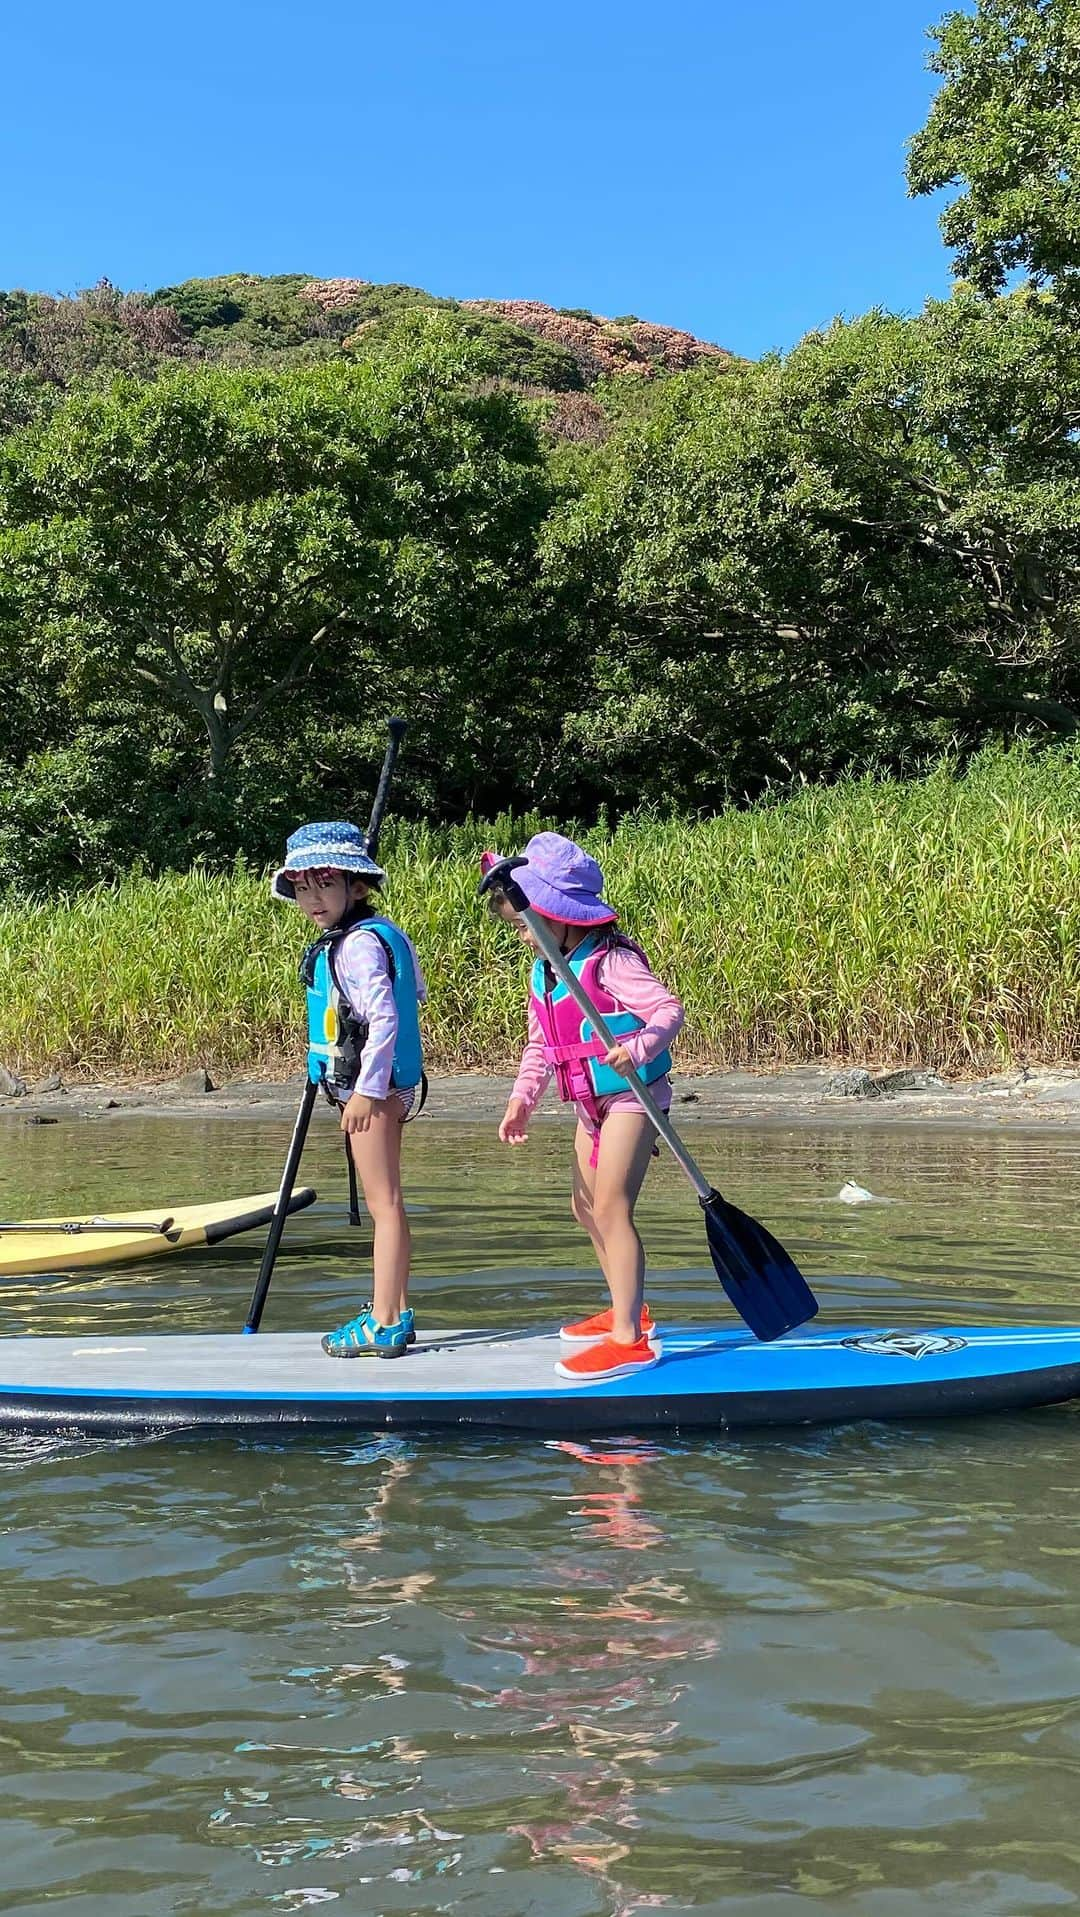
(120, 1237)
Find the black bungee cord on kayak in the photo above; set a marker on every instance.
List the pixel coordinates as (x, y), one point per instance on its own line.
(760, 1278)
(396, 729)
(75, 1227)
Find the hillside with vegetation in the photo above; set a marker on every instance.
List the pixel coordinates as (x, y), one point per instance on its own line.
(607, 569)
(49, 344)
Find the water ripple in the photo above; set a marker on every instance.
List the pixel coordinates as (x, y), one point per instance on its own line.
(829, 1670)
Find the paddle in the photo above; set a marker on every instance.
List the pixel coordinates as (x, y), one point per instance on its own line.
(760, 1278)
(72, 1227)
(396, 729)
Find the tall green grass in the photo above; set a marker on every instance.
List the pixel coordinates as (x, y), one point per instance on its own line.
(935, 920)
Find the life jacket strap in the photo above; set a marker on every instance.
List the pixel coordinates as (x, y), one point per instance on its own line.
(421, 1101)
(567, 1053)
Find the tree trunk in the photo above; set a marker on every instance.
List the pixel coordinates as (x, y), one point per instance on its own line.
(219, 732)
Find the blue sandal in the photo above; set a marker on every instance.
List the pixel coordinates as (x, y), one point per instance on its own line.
(364, 1337)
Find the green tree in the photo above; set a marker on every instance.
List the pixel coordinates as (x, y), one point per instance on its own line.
(852, 554)
(1006, 126)
(268, 562)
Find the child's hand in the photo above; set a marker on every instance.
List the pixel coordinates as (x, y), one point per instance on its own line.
(514, 1129)
(357, 1115)
(620, 1060)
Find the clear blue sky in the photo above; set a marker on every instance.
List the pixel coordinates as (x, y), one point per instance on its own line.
(731, 166)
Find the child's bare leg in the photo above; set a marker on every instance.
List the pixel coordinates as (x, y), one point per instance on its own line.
(376, 1154)
(626, 1146)
(581, 1202)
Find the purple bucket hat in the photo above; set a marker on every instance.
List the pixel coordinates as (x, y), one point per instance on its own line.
(562, 882)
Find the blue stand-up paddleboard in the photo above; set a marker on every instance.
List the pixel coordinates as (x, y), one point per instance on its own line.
(706, 1380)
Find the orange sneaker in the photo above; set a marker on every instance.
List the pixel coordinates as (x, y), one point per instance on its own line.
(595, 1364)
(589, 1331)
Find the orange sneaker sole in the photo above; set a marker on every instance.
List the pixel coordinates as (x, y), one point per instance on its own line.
(565, 1368)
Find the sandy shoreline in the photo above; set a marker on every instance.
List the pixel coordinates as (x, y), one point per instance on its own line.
(808, 1095)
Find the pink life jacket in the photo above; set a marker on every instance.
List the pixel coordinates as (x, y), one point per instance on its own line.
(571, 1047)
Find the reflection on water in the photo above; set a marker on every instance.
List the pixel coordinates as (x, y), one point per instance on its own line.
(831, 1671)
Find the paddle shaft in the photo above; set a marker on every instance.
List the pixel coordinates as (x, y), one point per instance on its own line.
(545, 940)
(281, 1206)
(396, 729)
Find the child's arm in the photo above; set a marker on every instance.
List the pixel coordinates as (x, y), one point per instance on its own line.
(364, 977)
(533, 1075)
(534, 1072)
(628, 978)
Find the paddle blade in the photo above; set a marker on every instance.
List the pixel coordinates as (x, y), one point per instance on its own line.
(760, 1278)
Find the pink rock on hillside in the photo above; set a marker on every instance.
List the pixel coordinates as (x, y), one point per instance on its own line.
(328, 295)
(606, 346)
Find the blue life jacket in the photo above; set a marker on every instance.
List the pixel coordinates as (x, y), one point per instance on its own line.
(336, 1036)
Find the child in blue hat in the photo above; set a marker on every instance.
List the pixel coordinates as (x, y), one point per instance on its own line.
(364, 989)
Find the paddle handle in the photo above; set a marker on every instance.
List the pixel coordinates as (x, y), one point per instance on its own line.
(501, 876)
(397, 729)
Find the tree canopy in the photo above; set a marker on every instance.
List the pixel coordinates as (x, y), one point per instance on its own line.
(1005, 125)
(598, 562)
(850, 554)
(251, 566)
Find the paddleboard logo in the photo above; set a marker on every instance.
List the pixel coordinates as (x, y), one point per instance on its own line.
(905, 1344)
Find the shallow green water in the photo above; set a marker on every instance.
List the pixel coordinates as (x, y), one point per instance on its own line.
(832, 1671)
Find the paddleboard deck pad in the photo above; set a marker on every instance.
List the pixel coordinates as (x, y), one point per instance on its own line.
(707, 1379)
(66, 1244)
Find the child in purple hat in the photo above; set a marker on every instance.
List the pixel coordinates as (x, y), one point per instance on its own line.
(614, 1142)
